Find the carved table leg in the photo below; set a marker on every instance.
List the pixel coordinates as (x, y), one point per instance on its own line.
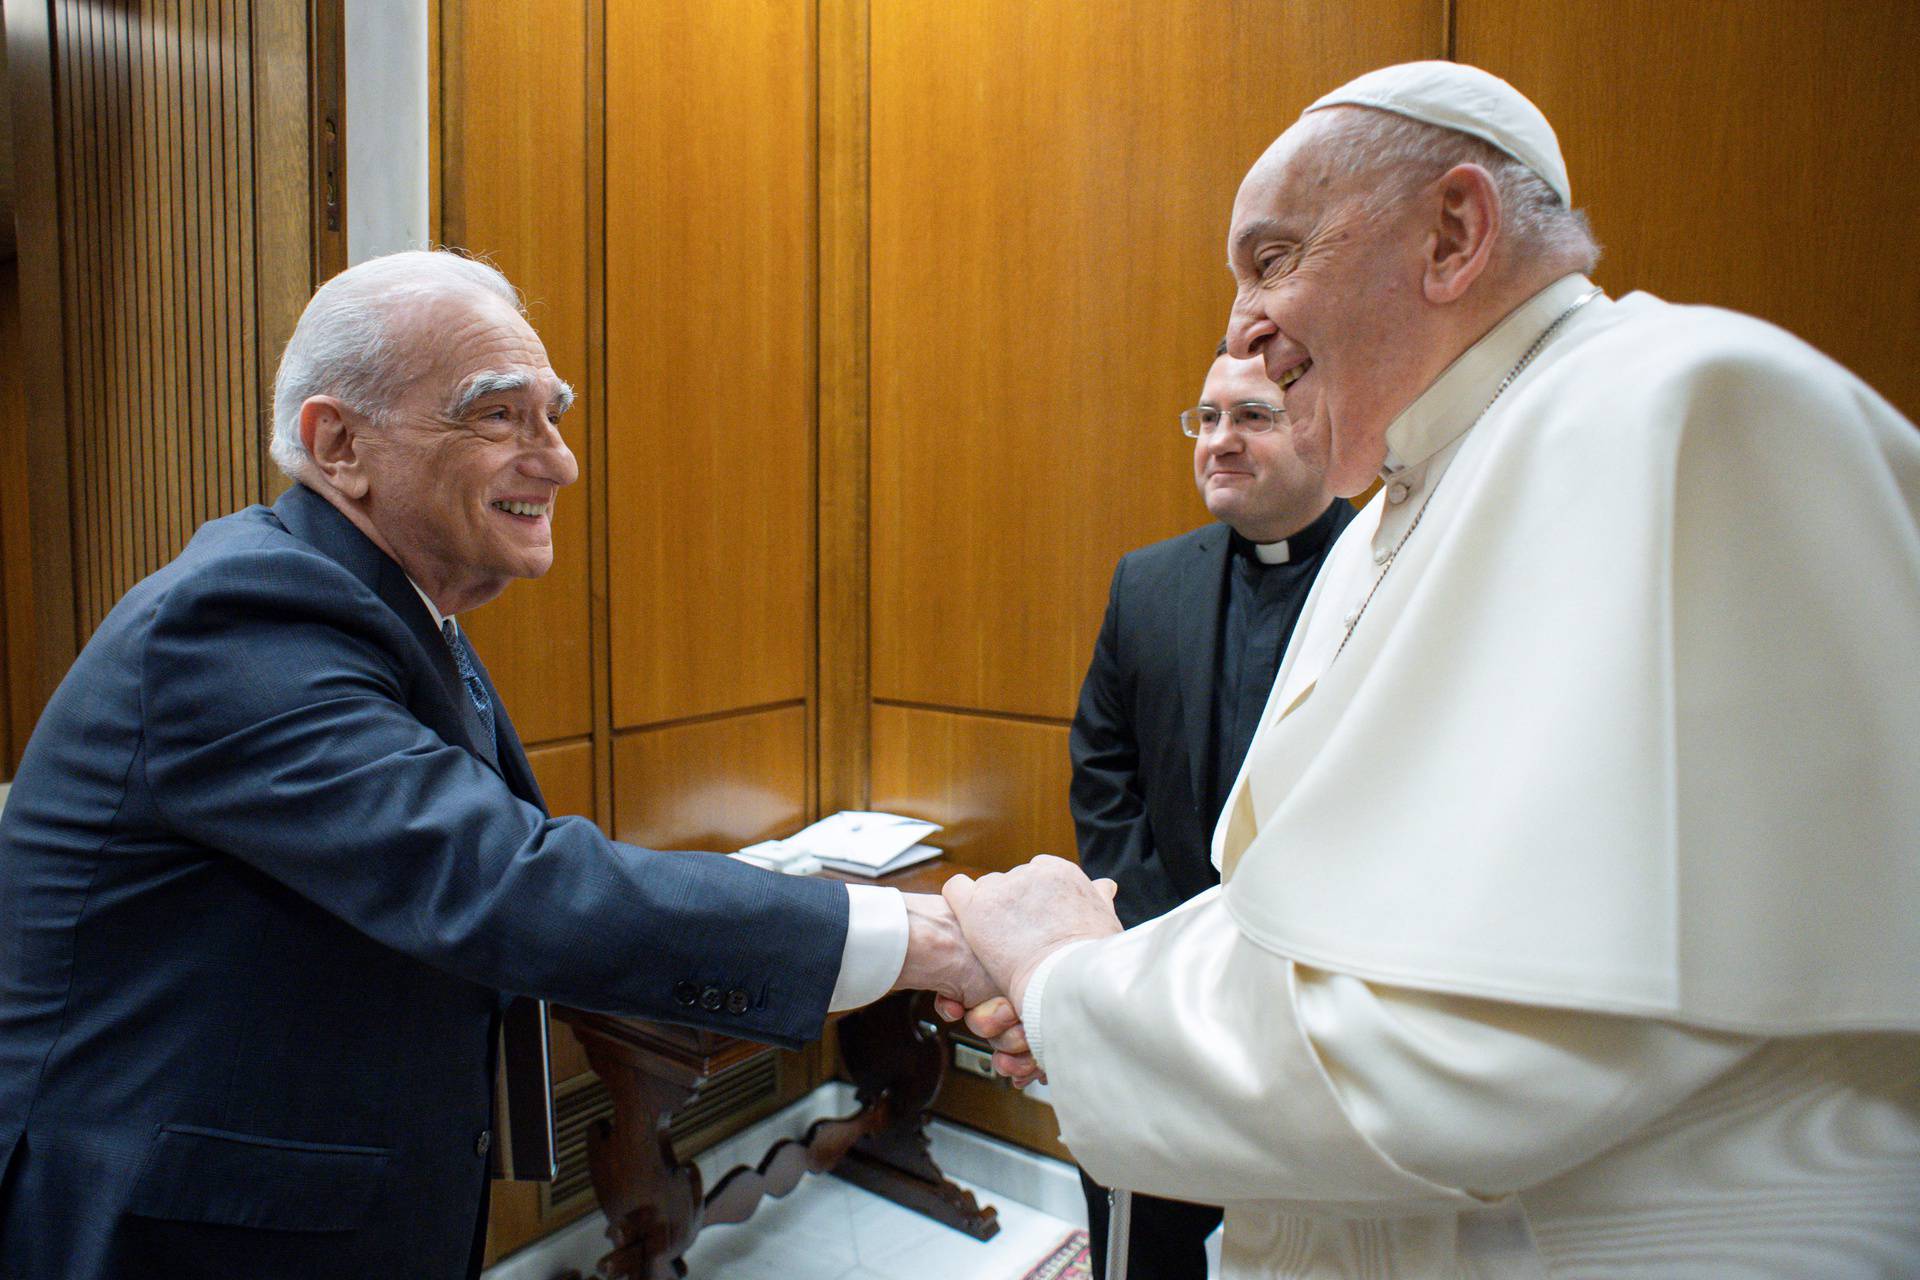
(897, 1059)
(652, 1201)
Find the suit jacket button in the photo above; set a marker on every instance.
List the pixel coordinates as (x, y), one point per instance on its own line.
(737, 1001)
(483, 1143)
(686, 994)
(710, 999)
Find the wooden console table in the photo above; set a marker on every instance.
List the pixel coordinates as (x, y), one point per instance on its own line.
(655, 1202)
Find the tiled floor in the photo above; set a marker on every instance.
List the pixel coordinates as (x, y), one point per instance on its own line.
(826, 1229)
(832, 1230)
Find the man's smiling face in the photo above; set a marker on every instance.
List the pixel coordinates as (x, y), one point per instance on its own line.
(1327, 297)
(463, 466)
(1253, 482)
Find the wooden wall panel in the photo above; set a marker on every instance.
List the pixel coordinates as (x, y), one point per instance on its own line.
(1051, 186)
(998, 787)
(514, 190)
(164, 358)
(712, 784)
(709, 329)
(1761, 158)
(16, 581)
(565, 775)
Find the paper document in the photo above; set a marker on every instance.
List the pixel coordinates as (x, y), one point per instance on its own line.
(863, 843)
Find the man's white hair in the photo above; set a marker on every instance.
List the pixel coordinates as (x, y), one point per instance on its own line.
(1405, 154)
(344, 347)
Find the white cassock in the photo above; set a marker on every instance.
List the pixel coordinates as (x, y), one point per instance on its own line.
(1572, 915)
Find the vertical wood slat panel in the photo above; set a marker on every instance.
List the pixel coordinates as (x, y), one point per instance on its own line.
(841, 500)
(155, 139)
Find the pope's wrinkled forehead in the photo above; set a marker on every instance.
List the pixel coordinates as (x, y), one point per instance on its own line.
(1287, 183)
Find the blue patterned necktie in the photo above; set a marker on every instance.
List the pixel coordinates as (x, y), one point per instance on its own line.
(475, 688)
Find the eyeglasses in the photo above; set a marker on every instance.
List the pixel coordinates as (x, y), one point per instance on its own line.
(1250, 417)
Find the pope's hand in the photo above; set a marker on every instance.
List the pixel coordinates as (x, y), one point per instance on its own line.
(1013, 920)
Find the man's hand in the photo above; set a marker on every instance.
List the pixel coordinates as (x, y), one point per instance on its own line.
(938, 957)
(1013, 920)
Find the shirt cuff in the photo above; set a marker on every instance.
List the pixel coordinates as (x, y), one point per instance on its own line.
(876, 946)
(1031, 998)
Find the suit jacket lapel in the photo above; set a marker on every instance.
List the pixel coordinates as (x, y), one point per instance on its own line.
(1199, 624)
(313, 519)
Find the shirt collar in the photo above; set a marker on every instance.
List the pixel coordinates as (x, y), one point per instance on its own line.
(1303, 544)
(439, 621)
(1444, 410)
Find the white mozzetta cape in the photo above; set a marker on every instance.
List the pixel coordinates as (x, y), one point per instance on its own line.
(1623, 732)
(1631, 725)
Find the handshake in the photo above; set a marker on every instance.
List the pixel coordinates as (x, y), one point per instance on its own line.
(977, 944)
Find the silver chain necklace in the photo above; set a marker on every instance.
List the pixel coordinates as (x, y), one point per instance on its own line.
(1519, 367)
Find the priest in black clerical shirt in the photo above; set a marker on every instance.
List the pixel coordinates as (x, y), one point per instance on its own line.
(1194, 632)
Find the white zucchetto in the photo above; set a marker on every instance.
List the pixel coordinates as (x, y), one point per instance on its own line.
(1467, 100)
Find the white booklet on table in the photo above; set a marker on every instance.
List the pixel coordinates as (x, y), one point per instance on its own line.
(862, 843)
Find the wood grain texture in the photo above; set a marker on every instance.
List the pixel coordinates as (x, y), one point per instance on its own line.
(712, 784)
(998, 787)
(283, 212)
(565, 775)
(1753, 156)
(41, 589)
(16, 585)
(1051, 188)
(517, 196)
(709, 327)
(841, 636)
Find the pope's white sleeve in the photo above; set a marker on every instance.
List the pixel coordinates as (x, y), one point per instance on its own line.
(875, 949)
(1184, 1060)
(1176, 1067)
(1492, 1097)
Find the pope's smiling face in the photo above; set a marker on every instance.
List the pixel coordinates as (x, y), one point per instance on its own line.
(463, 467)
(1327, 297)
(1254, 482)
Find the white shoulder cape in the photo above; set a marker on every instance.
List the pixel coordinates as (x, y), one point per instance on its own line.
(1633, 723)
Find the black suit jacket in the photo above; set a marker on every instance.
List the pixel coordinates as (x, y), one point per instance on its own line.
(263, 893)
(1141, 736)
(1139, 739)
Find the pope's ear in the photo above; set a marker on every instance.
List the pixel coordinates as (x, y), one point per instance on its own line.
(1466, 207)
(330, 431)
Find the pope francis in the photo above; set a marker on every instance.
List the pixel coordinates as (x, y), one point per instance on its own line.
(1571, 915)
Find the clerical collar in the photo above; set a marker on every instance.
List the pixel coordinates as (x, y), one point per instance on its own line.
(1445, 409)
(1304, 544)
(439, 621)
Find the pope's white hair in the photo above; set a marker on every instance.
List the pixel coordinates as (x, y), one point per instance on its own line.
(344, 344)
(1404, 154)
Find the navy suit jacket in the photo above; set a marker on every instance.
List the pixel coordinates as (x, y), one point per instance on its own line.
(263, 893)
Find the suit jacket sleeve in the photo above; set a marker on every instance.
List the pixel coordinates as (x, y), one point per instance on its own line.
(279, 731)
(1106, 794)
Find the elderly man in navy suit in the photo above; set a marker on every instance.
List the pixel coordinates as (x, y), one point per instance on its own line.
(274, 864)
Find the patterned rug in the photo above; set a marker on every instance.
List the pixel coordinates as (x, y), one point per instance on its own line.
(1068, 1261)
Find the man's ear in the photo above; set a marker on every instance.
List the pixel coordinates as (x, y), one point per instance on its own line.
(1466, 207)
(330, 431)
